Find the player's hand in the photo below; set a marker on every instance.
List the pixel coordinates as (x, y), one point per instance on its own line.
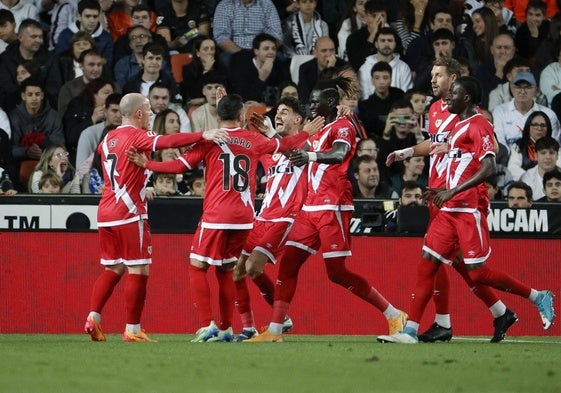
(217, 135)
(259, 122)
(313, 126)
(136, 157)
(298, 157)
(441, 197)
(429, 193)
(343, 110)
(391, 158)
(220, 94)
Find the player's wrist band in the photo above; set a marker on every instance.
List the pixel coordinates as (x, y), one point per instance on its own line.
(270, 133)
(312, 156)
(404, 153)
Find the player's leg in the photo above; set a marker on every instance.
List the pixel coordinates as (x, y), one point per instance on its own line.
(441, 329)
(243, 299)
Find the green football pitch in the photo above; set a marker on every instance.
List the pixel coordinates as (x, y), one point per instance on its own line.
(316, 364)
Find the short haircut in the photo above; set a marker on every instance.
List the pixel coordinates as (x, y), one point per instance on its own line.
(453, 66)
(134, 27)
(52, 178)
(113, 99)
(158, 85)
(443, 34)
(6, 16)
(554, 174)
(229, 107)
(213, 77)
(364, 159)
(88, 52)
(294, 104)
(401, 103)
(27, 23)
(537, 5)
(154, 48)
(387, 31)
(88, 5)
(141, 8)
(363, 141)
(522, 186)
(381, 66)
(410, 185)
(82, 36)
(547, 143)
(374, 6)
(262, 37)
(472, 88)
(35, 82)
(440, 10)
(516, 61)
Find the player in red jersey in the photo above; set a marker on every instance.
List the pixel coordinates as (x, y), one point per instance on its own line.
(462, 222)
(228, 209)
(323, 223)
(441, 122)
(122, 217)
(284, 195)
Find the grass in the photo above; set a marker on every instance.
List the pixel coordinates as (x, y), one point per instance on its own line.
(315, 364)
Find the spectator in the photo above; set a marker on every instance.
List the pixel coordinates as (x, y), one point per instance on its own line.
(119, 19)
(205, 60)
(167, 122)
(70, 61)
(205, 117)
(7, 29)
(35, 125)
(256, 75)
(478, 38)
(385, 42)
(368, 183)
(505, 18)
(493, 189)
(63, 15)
(363, 147)
(413, 170)
(374, 110)
(196, 183)
(165, 184)
(50, 183)
(360, 44)
(356, 18)
(547, 155)
(55, 160)
(551, 187)
(412, 20)
(29, 46)
(236, 24)
(129, 66)
(520, 7)
(21, 10)
(324, 58)
(92, 180)
(84, 111)
(546, 51)
(287, 89)
(419, 102)
(550, 82)
(303, 28)
(181, 20)
(519, 195)
(411, 194)
(152, 71)
(523, 153)
(509, 118)
(159, 97)
(533, 31)
(89, 14)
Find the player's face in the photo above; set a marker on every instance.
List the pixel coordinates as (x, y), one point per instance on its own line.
(286, 120)
(368, 174)
(145, 114)
(553, 189)
(456, 99)
(198, 187)
(411, 197)
(314, 102)
(441, 81)
(517, 199)
(172, 124)
(547, 159)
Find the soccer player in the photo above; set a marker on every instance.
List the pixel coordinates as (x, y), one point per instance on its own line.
(122, 216)
(323, 223)
(284, 195)
(230, 174)
(441, 121)
(462, 222)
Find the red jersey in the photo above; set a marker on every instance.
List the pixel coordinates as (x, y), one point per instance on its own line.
(230, 174)
(124, 196)
(441, 122)
(469, 142)
(329, 187)
(286, 190)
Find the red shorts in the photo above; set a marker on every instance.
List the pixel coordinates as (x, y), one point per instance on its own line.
(267, 237)
(450, 231)
(328, 230)
(218, 246)
(130, 244)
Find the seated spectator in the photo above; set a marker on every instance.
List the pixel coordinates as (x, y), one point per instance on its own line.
(532, 31)
(551, 187)
(419, 100)
(92, 180)
(70, 60)
(159, 97)
(84, 111)
(205, 60)
(509, 118)
(412, 20)
(303, 28)
(152, 71)
(506, 21)
(356, 18)
(90, 137)
(91, 63)
(257, 74)
(21, 10)
(364, 147)
(63, 15)
(386, 45)
(205, 117)
(547, 155)
(55, 160)
(165, 184)
(493, 190)
(411, 194)
(35, 125)
(413, 170)
(519, 195)
(287, 89)
(141, 15)
(27, 69)
(181, 21)
(503, 92)
(520, 7)
(88, 20)
(374, 110)
(129, 66)
(196, 183)
(7, 29)
(523, 153)
(167, 122)
(550, 82)
(119, 19)
(50, 183)
(368, 183)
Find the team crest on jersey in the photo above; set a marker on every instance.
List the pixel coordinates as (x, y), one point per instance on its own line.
(438, 123)
(487, 145)
(276, 156)
(315, 145)
(343, 132)
(113, 143)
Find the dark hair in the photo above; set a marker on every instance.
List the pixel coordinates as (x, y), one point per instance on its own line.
(554, 174)
(134, 27)
(440, 10)
(373, 6)
(516, 61)
(213, 77)
(381, 66)
(293, 104)
(537, 5)
(32, 67)
(472, 88)
(443, 34)
(113, 99)
(92, 88)
(158, 85)
(88, 52)
(362, 141)
(401, 103)
(406, 13)
(482, 46)
(88, 5)
(160, 121)
(141, 8)
(6, 16)
(547, 143)
(262, 37)
(522, 186)
(26, 23)
(364, 159)
(523, 142)
(152, 47)
(32, 81)
(410, 185)
(229, 107)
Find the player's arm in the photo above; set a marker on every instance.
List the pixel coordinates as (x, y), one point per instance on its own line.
(178, 165)
(420, 149)
(188, 138)
(488, 168)
(335, 156)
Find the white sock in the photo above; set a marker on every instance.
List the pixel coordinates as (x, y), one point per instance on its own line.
(133, 328)
(95, 315)
(391, 312)
(498, 309)
(443, 320)
(275, 328)
(533, 295)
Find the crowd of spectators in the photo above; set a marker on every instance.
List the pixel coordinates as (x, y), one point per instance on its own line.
(65, 64)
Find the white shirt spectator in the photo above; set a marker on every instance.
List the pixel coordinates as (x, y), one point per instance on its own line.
(22, 10)
(533, 178)
(401, 75)
(550, 77)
